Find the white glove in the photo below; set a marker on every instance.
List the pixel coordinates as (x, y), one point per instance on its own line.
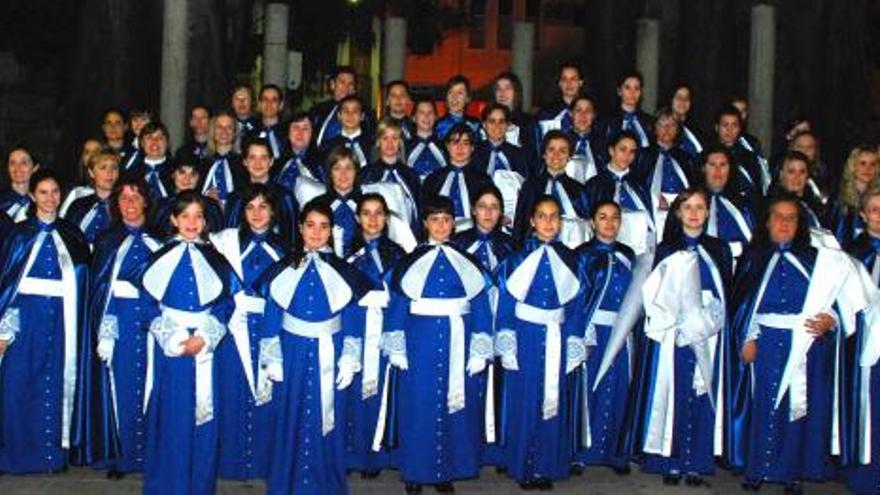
(275, 372)
(398, 361)
(476, 365)
(345, 375)
(509, 362)
(105, 349)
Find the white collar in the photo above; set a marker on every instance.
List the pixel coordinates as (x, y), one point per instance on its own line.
(566, 282)
(283, 287)
(413, 281)
(158, 275)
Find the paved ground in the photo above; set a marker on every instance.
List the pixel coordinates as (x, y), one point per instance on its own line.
(593, 482)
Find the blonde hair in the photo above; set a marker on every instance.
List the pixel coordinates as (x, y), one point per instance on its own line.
(101, 155)
(386, 125)
(849, 196)
(212, 146)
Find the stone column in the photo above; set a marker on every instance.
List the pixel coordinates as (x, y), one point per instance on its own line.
(172, 100)
(648, 60)
(522, 59)
(277, 16)
(395, 49)
(762, 65)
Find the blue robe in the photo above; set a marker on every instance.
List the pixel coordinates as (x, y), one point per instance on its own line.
(603, 187)
(538, 442)
(847, 224)
(289, 171)
(448, 121)
(192, 152)
(246, 127)
(317, 298)
(91, 214)
(157, 176)
(489, 249)
(160, 217)
(361, 144)
(536, 187)
(274, 134)
(474, 180)
(425, 155)
(225, 173)
(689, 140)
(638, 122)
(11, 203)
(32, 375)
(440, 432)
(326, 125)
(245, 426)
(344, 217)
(398, 173)
(284, 220)
(182, 437)
(608, 267)
(506, 157)
(670, 181)
(731, 220)
(118, 401)
(745, 170)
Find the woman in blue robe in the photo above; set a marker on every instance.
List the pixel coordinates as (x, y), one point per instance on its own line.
(730, 217)
(486, 240)
(628, 117)
(587, 145)
(342, 197)
(684, 370)
(92, 213)
(438, 334)
(311, 315)
(689, 139)
(375, 255)
(782, 434)
(390, 167)
(794, 175)
(20, 164)
(194, 286)
(539, 338)
(247, 412)
(861, 173)
(423, 152)
(458, 95)
(119, 318)
(42, 307)
(221, 170)
(608, 265)
(184, 177)
(152, 162)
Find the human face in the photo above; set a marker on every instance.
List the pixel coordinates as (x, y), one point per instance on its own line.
(807, 145)
(717, 171)
(439, 226)
(113, 127)
(185, 178)
(793, 176)
(782, 222)
(871, 215)
(270, 104)
(350, 116)
(132, 206)
(372, 219)
(242, 103)
(681, 102)
(693, 213)
(46, 198)
(505, 93)
(556, 156)
(224, 131)
(630, 92)
(398, 100)
(606, 223)
(460, 149)
(425, 117)
(666, 130)
(547, 221)
(487, 212)
(155, 144)
(342, 175)
(258, 214)
(300, 134)
(728, 129)
(315, 231)
(622, 154)
(258, 163)
(457, 98)
(583, 115)
(343, 85)
(21, 166)
(138, 122)
(570, 83)
(496, 126)
(865, 170)
(199, 122)
(90, 147)
(104, 175)
(389, 145)
(190, 223)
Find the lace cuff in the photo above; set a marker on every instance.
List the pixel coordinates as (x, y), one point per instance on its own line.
(575, 353)
(394, 343)
(505, 343)
(168, 335)
(211, 332)
(270, 358)
(352, 348)
(481, 346)
(109, 328)
(10, 325)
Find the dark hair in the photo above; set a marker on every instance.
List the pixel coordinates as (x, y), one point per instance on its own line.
(319, 206)
(40, 175)
(556, 135)
(713, 149)
(594, 210)
(298, 117)
(117, 111)
(620, 136)
(630, 74)
(185, 198)
(396, 82)
(176, 165)
(358, 240)
(667, 112)
(544, 198)
(24, 148)
(152, 127)
(252, 192)
(135, 183)
(802, 235)
(343, 69)
(337, 154)
(141, 111)
(435, 204)
(458, 131)
(728, 110)
(794, 156)
(515, 82)
(423, 101)
(571, 64)
(674, 229)
(491, 190)
(257, 141)
(456, 80)
(272, 87)
(349, 99)
(493, 107)
(579, 98)
(201, 106)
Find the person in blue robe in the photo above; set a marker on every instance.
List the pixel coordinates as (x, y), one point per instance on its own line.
(258, 162)
(342, 197)
(311, 349)
(20, 165)
(325, 115)
(194, 286)
(119, 318)
(556, 116)
(397, 102)
(241, 102)
(221, 170)
(303, 159)
(507, 91)
(197, 146)
(689, 138)
(587, 145)
(352, 134)
(5, 225)
(794, 174)
(460, 179)
(608, 266)
(861, 173)
(375, 255)
(540, 340)
(781, 304)
(247, 412)
(184, 177)
(152, 162)
(486, 240)
(750, 180)
(628, 116)
(555, 182)
(495, 152)
(271, 102)
(730, 217)
(42, 350)
(92, 213)
(457, 96)
(438, 336)
(686, 294)
(424, 153)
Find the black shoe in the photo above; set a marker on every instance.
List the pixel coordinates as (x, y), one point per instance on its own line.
(751, 486)
(413, 488)
(622, 470)
(794, 488)
(545, 485)
(500, 469)
(693, 479)
(576, 470)
(671, 479)
(444, 488)
(115, 475)
(369, 475)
